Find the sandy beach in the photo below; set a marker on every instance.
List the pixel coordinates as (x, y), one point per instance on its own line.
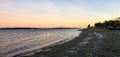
(90, 43)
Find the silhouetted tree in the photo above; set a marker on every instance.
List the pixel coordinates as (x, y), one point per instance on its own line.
(88, 26)
(99, 24)
(109, 23)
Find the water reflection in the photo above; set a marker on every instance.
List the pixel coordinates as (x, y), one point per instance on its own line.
(13, 42)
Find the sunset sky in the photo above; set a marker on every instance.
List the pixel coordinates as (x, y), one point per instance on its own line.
(56, 13)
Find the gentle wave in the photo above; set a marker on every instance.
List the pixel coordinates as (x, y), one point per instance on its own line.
(13, 42)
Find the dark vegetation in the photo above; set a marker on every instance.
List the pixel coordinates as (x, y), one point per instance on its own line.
(111, 24)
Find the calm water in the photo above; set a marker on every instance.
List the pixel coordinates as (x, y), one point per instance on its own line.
(13, 42)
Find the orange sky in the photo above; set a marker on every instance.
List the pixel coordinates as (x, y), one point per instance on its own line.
(49, 13)
(40, 20)
(19, 20)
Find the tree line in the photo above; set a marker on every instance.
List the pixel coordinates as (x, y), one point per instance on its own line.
(115, 23)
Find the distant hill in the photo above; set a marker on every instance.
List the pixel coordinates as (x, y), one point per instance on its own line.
(16, 28)
(35, 28)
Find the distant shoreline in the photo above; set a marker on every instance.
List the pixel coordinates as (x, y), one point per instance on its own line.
(34, 28)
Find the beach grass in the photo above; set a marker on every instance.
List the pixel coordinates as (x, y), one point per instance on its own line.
(112, 42)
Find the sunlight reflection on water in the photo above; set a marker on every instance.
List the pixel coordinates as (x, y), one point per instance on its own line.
(13, 42)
